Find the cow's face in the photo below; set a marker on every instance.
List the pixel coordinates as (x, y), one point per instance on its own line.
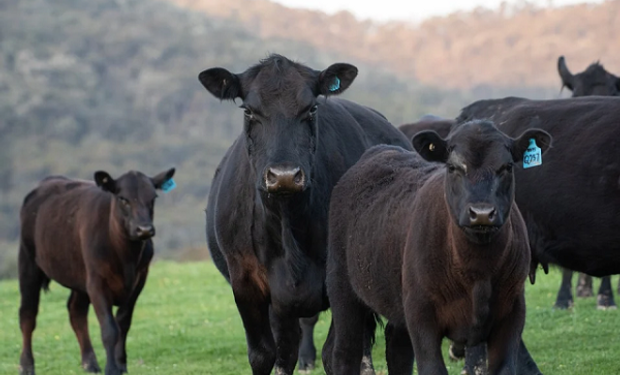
(593, 81)
(281, 116)
(479, 180)
(134, 200)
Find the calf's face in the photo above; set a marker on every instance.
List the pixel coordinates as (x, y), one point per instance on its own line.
(479, 179)
(281, 114)
(134, 200)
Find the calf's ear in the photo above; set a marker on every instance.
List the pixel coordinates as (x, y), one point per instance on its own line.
(335, 79)
(430, 146)
(521, 143)
(162, 178)
(105, 181)
(223, 84)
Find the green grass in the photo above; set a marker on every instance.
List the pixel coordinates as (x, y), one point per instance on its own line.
(186, 322)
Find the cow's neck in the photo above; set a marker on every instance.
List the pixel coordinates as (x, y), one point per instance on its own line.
(478, 261)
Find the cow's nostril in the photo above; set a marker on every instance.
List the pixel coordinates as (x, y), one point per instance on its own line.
(472, 214)
(492, 215)
(271, 178)
(299, 177)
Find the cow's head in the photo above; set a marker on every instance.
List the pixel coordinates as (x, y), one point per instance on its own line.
(134, 199)
(479, 180)
(593, 81)
(281, 115)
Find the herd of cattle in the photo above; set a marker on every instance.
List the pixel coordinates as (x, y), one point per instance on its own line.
(322, 203)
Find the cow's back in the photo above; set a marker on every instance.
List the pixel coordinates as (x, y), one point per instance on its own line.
(55, 219)
(370, 214)
(570, 202)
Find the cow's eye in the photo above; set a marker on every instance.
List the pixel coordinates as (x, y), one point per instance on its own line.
(248, 114)
(313, 110)
(124, 201)
(451, 168)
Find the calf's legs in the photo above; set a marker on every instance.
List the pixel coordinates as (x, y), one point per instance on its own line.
(123, 319)
(398, 350)
(110, 332)
(78, 315)
(31, 279)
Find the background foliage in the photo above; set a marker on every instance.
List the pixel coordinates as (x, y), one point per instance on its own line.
(101, 84)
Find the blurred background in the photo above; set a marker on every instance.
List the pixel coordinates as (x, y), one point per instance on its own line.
(112, 84)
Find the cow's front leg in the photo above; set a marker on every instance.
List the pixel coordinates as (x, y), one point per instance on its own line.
(251, 292)
(110, 333)
(287, 334)
(123, 319)
(307, 350)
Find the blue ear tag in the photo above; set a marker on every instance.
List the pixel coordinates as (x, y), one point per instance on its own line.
(336, 85)
(168, 185)
(532, 157)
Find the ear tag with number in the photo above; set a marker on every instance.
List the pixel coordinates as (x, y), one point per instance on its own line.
(532, 157)
(168, 185)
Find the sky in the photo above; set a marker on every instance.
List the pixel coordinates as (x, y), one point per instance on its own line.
(408, 10)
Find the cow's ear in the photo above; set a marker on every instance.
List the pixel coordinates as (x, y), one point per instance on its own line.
(565, 74)
(105, 181)
(521, 144)
(430, 146)
(335, 79)
(223, 84)
(160, 179)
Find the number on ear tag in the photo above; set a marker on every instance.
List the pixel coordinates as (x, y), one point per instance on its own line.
(532, 157)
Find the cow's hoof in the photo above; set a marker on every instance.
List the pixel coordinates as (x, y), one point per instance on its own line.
(564, 305)
(456, 353)
(366, 367)
(91, 367)
(305, 365)
(27, 370)
(604, 302)
(306, 369)
(464, 371)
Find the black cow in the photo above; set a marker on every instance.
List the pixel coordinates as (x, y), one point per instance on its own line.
(398, 224)
(570, 203)
(595, 80)
(268, 205)
(94, 239)
(439, 125)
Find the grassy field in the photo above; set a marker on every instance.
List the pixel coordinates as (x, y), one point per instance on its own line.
(186, 323)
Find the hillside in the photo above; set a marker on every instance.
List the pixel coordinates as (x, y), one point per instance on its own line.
(113, 85)
(511, 46)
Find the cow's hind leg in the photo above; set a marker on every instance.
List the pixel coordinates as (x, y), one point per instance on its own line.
(398, 350)
(565, 294)
(366, 367)
(78, 316)
(31, 280)
(307, 350)
(584, 286)
(605, 297)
